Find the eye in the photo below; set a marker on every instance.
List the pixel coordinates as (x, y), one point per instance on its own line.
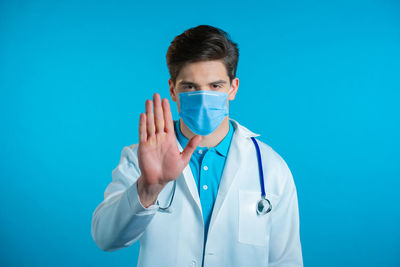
(187, 87)
(217, 86)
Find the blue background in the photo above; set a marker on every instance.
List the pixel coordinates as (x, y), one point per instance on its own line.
(318, 80)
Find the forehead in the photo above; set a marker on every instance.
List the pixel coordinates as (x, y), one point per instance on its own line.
(203, 72)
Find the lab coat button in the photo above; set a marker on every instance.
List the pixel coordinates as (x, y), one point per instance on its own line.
(205, 168)
(205, 187)
(193, 263)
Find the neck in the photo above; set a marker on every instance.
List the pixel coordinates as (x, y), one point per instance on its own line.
(211, 140)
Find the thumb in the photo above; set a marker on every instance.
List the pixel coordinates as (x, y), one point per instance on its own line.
(190, 147)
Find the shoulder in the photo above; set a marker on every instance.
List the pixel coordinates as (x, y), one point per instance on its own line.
(271, 154)
(276, 167)
(129, 153)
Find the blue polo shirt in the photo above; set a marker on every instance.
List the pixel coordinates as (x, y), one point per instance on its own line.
(207, 165)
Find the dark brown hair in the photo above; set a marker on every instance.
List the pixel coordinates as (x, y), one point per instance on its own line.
(202, 43)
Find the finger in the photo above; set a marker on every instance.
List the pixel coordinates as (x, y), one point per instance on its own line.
(169, 123)
(142, 128)
(158, 113)
(149, 118)
(190, 147)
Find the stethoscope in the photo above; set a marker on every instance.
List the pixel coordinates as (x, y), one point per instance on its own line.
(263, 205)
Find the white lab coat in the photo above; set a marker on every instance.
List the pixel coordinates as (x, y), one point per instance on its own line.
(237, 235)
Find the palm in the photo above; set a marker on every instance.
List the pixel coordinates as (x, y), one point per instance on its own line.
(160, 160)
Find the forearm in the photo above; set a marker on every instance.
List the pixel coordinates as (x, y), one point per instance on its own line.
(285, 234)
(121, 219)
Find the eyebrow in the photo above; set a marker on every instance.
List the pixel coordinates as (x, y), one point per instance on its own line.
(195, 84)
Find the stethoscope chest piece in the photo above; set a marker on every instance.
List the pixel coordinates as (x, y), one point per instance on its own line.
(263, 206)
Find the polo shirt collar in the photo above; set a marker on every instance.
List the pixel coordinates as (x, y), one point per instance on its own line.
(222, 148)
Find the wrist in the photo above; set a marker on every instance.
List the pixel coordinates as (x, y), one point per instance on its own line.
(148, 193)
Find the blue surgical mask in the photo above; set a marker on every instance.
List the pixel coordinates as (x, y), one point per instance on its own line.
(203, 111)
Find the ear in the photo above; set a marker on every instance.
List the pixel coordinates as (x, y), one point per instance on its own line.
(235, 87)
(172, 90)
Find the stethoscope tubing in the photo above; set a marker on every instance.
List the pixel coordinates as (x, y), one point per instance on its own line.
(260, 168)
(260, 204)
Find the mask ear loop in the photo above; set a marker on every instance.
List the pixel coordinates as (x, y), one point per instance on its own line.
(230, 90)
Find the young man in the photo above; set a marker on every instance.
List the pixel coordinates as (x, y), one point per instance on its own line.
(200, 206)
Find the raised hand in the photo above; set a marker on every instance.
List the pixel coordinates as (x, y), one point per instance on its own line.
(160, 160)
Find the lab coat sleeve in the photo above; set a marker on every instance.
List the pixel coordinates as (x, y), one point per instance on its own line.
(285, 247)
(121, 219)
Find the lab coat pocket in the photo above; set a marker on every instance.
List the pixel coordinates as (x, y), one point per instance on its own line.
(253, 228)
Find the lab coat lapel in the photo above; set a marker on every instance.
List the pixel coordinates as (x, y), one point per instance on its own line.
(190, 182)
(235, 159)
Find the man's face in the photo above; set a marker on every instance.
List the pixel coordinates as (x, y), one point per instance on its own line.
(204, 75)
